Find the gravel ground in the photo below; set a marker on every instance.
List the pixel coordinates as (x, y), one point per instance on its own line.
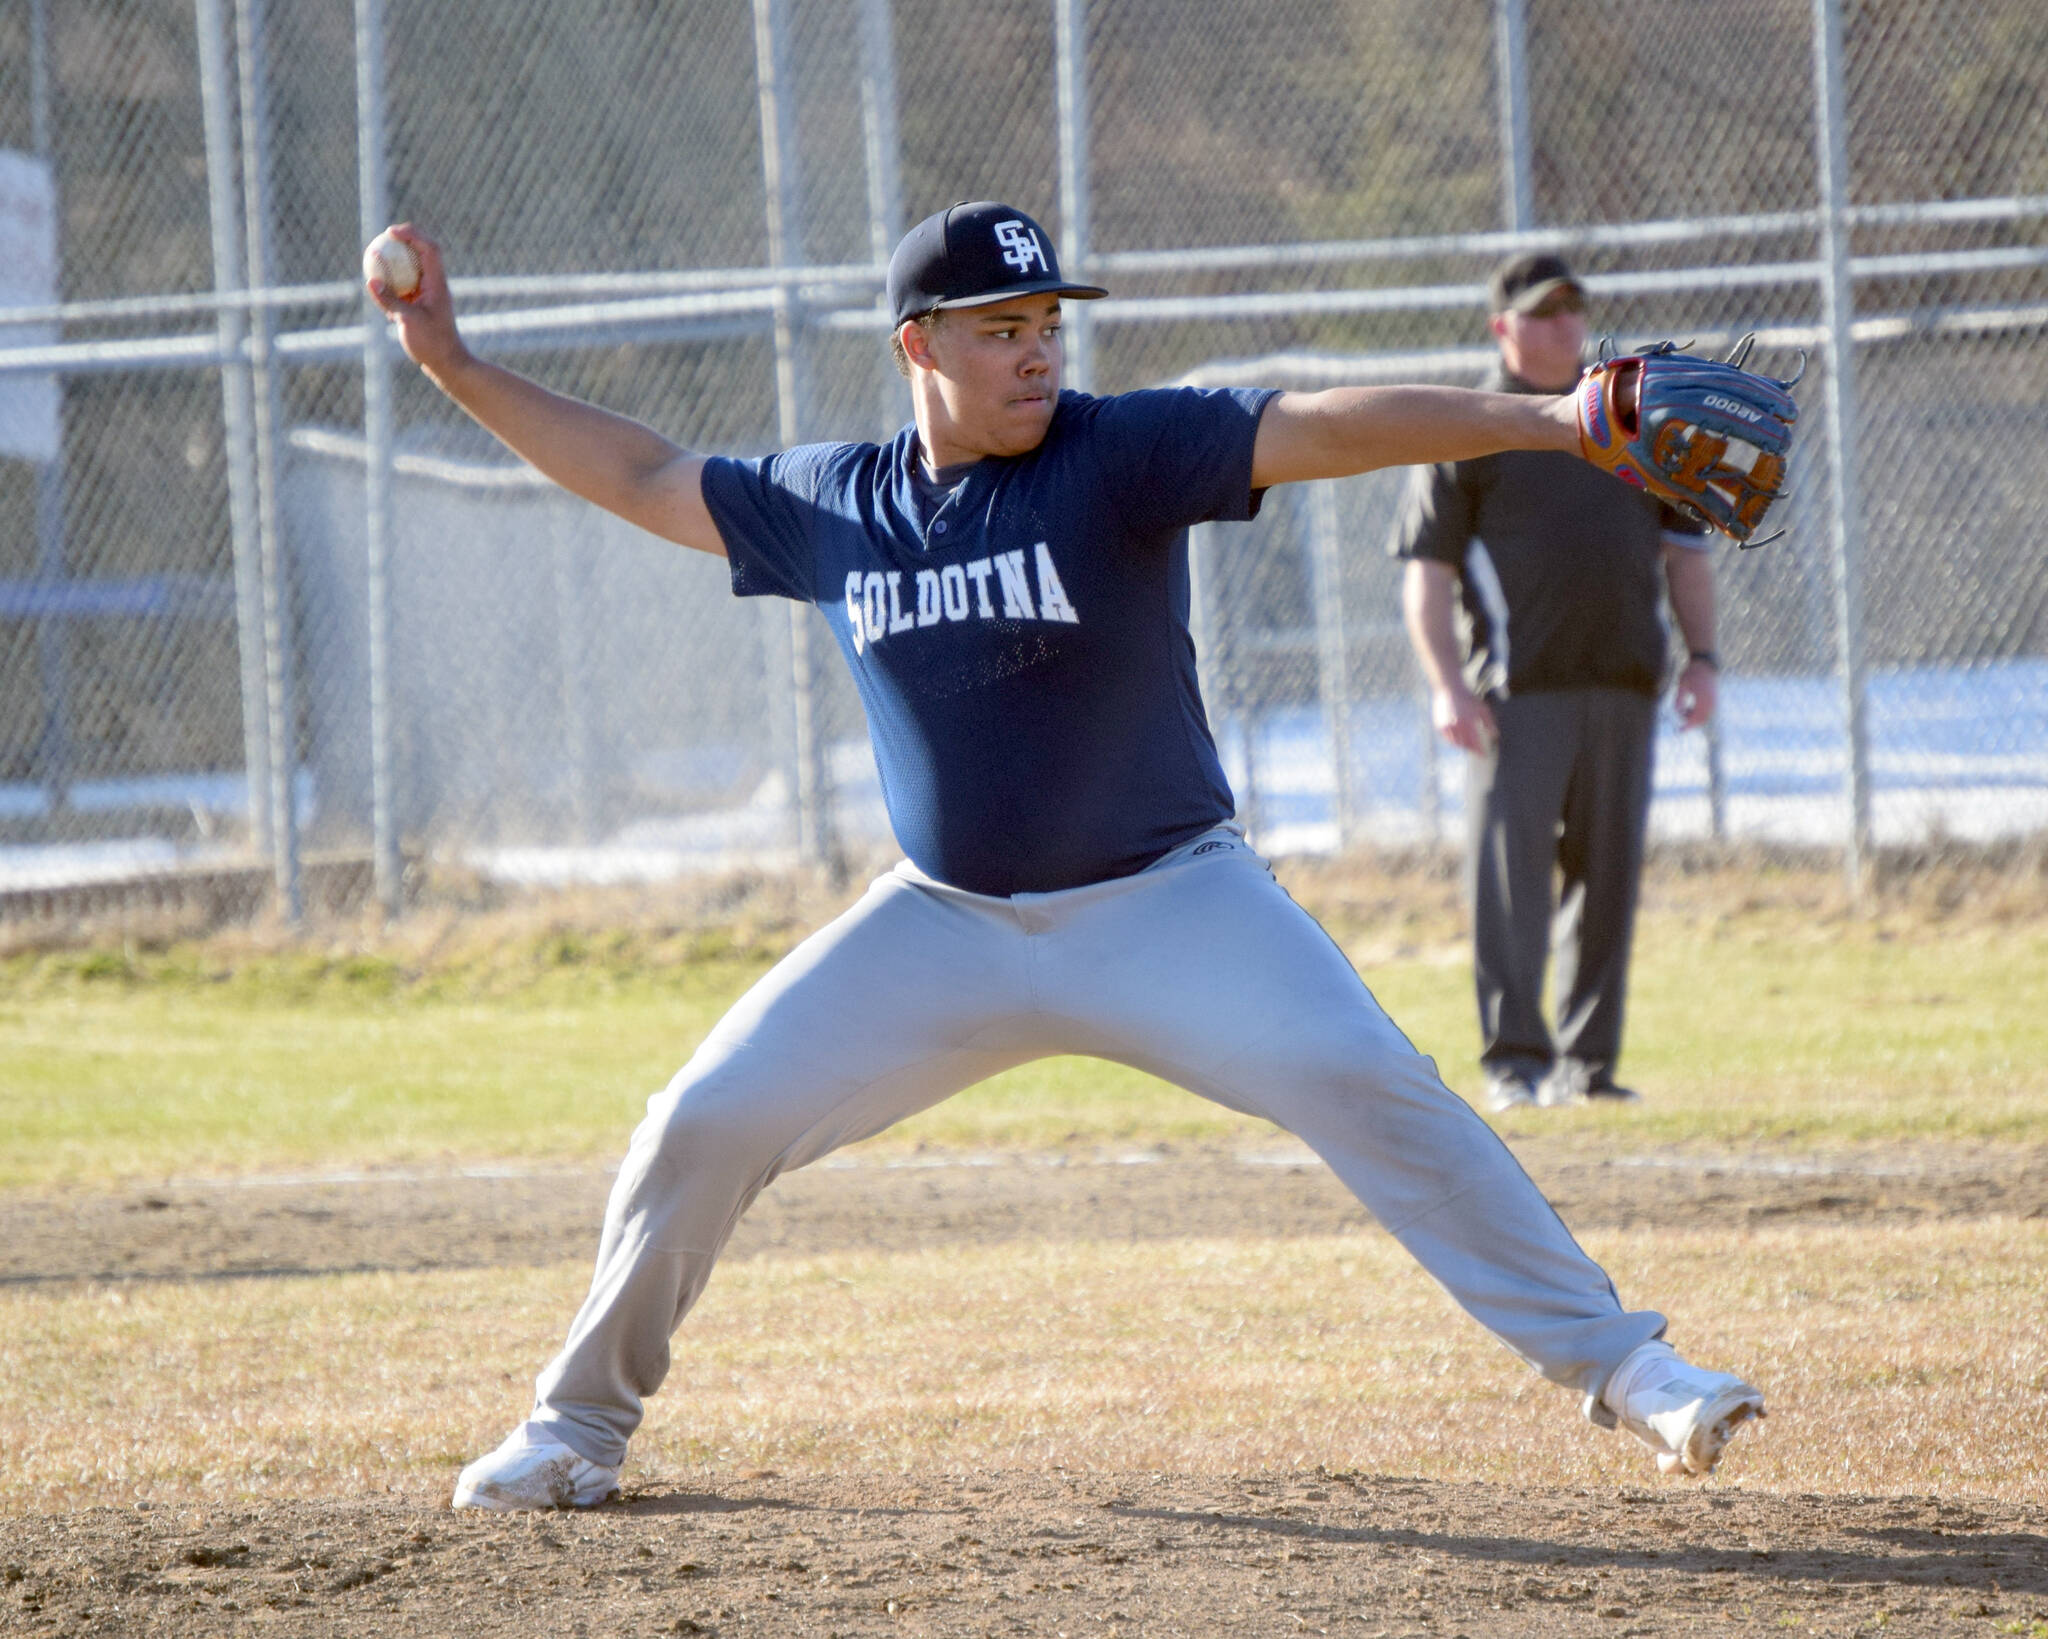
(1049, 1553)
(487, 1217)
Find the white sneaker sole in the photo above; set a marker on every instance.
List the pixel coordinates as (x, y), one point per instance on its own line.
(548, 1485)
(1719, 1420)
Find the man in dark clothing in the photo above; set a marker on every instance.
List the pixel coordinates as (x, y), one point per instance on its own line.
(1554, 574)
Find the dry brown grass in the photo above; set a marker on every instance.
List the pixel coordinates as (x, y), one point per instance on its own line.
(1905, 1359)
(459, 921)
(1389, 902)
(1412, 900)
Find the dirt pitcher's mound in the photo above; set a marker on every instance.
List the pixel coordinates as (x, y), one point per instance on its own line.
(1050, 1554)
(498, 1216)
(861, 1552)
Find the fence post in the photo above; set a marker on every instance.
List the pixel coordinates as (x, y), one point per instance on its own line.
(1333, 655)
(54, 759)
(268, 411)
(1432, 795)
(777, 107)
(1511, 67)
(386, 871)
(1070, 46)
(885, 182)
(1200, 546)
(223, 214)
(572, 567)
(1717, 779)
(1217, 679)
(53, 636)
(1838, 315)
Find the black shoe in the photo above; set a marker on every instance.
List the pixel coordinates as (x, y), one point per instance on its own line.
(1570, 1082)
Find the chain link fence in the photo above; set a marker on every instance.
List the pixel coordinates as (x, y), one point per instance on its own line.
(267, 601)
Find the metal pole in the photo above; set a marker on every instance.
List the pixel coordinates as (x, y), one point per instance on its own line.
(1511, 60)
(1333, 658)
(53, 641)
(1838, 312)
(779, 191)
(885, 180)
(779, 179)
(572, 640)
(53, 638)
(40, 129)
(1717, 780)
(1432, 795)
(1071, 52)
(216, 95)
(1217, 681)
(1201, 547)
(1251, 812)
(387, 872)
(268, 411)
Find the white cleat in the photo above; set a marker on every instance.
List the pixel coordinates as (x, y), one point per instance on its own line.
(1685, 1415)
(530, 1471)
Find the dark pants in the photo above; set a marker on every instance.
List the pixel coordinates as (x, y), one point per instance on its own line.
(1567, 790)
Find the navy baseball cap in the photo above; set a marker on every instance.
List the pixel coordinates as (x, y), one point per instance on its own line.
(1523, 283)
(967, 255)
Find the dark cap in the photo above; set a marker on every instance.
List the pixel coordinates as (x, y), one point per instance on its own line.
(970, 254)
(1527, 281)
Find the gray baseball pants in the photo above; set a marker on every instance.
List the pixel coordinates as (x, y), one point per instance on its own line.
(1199, 970)
(1564, 792)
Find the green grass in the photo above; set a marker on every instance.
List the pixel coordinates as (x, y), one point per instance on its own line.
(1762, 1029)
(1744, 1027)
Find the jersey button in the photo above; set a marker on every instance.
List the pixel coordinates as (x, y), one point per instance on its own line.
(939, 528)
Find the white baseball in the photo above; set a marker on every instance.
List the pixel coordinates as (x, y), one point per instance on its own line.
(394, 262)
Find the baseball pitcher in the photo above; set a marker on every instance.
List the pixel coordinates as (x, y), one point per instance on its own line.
(1007, 579)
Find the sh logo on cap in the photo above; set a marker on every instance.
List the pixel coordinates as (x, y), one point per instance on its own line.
(1020, 246)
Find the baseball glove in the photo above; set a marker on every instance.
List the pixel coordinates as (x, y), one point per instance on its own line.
(1703, 434)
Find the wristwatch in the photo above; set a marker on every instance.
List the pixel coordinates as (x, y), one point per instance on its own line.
(1708, 655)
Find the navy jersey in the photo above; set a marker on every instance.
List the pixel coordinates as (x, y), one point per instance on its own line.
(1020, 638)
